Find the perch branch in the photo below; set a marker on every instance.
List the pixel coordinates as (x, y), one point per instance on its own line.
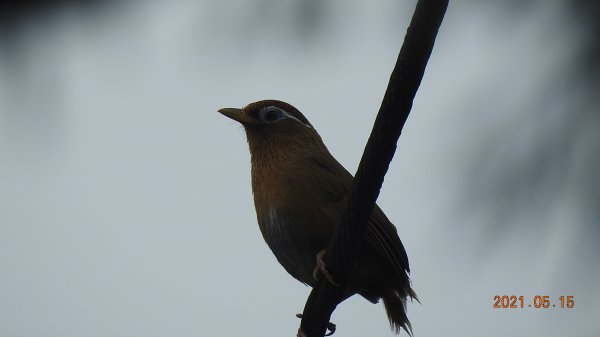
(379, 151)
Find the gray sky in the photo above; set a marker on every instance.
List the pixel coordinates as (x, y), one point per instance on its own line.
(125, 201)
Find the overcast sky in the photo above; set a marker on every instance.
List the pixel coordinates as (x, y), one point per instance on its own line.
(125, 201)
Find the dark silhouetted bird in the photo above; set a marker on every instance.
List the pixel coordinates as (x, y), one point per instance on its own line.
(300, 190)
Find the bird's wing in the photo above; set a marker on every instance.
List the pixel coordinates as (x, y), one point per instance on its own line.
(380, 233)
(383, 236)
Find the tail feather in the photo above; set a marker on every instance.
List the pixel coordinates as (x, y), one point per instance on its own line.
(395, 307)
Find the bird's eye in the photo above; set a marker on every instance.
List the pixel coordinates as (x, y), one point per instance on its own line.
(271, 114)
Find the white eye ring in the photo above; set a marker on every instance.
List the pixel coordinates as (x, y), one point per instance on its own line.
(271, 114)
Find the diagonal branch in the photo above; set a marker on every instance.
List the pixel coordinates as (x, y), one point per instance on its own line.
(379, 151)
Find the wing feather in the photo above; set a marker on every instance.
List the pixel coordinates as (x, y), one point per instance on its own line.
(381, 234)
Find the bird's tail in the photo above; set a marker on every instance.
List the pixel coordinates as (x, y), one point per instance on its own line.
(395, 307)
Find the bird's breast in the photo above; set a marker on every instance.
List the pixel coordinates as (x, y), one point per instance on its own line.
(296, 211)
(291, 244)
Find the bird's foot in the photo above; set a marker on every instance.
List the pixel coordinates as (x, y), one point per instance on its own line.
(330, 328)
(321, 268)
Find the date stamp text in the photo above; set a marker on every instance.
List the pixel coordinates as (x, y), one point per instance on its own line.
(536, 302)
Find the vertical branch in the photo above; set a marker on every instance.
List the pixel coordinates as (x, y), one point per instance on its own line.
(379, 151)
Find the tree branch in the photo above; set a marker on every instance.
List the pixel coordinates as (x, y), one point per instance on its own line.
(379, 151)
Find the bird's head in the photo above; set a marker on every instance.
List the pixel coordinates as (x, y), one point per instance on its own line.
(275, 127)
(268, 116)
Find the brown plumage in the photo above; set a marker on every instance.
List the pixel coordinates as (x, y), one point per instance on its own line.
(299, 192)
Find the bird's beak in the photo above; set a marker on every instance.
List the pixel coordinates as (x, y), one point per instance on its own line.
(237, 115)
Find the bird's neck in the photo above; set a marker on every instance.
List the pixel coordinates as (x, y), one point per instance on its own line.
(270, 151)
(279, 161)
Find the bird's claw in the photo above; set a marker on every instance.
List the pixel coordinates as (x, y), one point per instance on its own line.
(321, 268)
(330, 327)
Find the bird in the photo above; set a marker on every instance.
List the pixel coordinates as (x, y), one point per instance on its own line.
(300, 191)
